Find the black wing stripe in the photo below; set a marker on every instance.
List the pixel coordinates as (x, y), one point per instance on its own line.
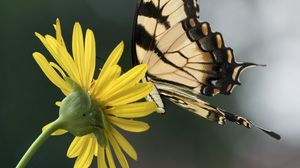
(149, 9)
(143, 38)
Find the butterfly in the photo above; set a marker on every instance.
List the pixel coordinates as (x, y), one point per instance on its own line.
(186, 59)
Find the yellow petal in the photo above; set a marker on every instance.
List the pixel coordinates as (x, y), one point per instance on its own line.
(104, 79)
(77, 145)
(58, 103)
(96, 149)
(57, 132)
(114, 57)
(53, 52)
(85, 158)
(90, 57)
(129, 79)
(67, 62)
(101, 158)
(122, 159)
(125, 145)
(59, 37)
(129, 125)
(50, 72)
(78, 48)
(110, 158)
(129, 95)
(55, 66)
(61, 55)
(133, 110)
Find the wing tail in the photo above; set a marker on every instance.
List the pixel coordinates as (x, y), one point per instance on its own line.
(248, 123)
(191, 102)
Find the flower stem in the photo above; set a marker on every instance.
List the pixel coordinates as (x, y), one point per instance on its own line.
(38, 143)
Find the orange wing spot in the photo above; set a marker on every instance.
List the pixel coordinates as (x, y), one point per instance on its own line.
(204, 28)
(219, 41)
(215, 91)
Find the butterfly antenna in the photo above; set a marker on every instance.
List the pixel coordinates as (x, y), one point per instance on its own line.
(248, 123)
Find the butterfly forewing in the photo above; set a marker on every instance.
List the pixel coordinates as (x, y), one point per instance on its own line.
(177, 47)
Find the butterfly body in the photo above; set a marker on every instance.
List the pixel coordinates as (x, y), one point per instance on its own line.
(185, 58)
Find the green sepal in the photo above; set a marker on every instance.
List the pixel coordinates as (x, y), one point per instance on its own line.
(72, 84)
(99, 134)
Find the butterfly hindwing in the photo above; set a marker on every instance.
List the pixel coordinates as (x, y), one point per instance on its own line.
(189, 101)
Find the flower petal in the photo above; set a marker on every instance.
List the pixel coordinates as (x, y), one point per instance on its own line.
(129, 95)
(122, 159)
(61, 55)
(76, 146)
(85, 158)
(133, 110)
(114, 57)
(110, 158)
(57, 132)
(78, 49)
(129, 125)
(130, 78)
(51, 73)
(55, 66)
(104, 79)
(58, 103)
(66, 59)
(96, 149)
(125, 145)
(101, 158)
(59, 37)
(53, 52)
(90, 57)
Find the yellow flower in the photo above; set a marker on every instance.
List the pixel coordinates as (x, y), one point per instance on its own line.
(114, 95)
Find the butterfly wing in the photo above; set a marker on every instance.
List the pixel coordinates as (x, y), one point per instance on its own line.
(185, 58)
(180, 49)
(188, 100)
(191, 102)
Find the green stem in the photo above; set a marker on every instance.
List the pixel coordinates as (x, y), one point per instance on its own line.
(38, 143)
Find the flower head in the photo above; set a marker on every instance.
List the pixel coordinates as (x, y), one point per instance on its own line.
(94, 107)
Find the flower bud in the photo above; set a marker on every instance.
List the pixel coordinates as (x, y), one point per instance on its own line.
(78, 114)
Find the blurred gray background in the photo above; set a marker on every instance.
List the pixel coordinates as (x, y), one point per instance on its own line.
(260, 31)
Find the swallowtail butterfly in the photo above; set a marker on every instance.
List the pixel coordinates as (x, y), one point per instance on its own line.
(186, 59)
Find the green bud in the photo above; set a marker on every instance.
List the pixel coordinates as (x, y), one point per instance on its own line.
(79, 115)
